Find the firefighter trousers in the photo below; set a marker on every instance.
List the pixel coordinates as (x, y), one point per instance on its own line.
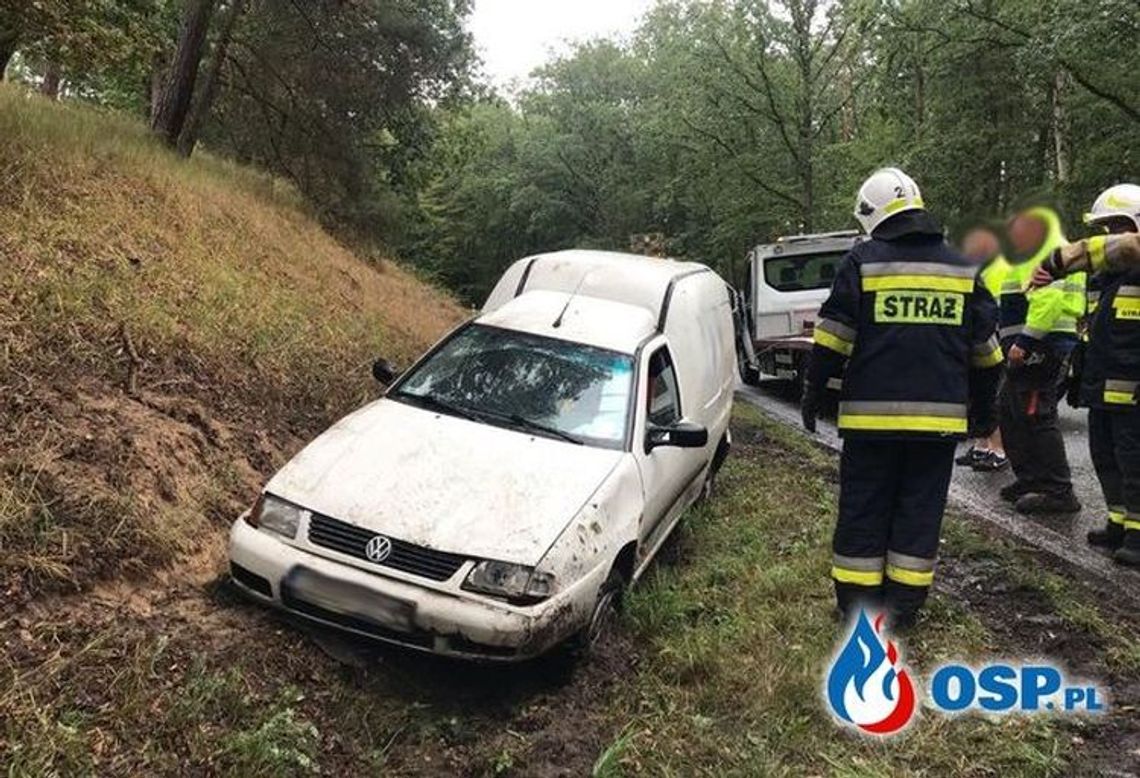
(1030, 428)
(1114, 444)
(892, 494)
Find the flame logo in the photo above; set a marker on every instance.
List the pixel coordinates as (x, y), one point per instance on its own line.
(866, 687)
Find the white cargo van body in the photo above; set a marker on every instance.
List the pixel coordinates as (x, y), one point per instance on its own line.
(509, 484)
(691, 307)
(787, 283)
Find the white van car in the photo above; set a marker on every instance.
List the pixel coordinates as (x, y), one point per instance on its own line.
(513, 481)
(787, 283)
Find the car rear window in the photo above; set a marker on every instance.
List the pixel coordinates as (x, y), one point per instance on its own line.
(800, 272)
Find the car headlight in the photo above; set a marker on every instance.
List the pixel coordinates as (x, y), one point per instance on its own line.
(276, 515)
(515, 582)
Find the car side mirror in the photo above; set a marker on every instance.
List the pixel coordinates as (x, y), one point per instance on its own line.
(383, 372)
(681, 434)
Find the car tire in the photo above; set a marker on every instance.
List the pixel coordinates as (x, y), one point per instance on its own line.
(607, 606)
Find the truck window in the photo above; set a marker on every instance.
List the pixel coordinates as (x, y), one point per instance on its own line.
(800, 272)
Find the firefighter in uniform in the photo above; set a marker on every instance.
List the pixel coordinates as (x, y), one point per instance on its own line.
(1111, 373)
(916, 329)
(1038, 334)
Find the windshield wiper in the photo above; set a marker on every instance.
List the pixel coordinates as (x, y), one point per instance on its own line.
(536, 426)
(433, 402)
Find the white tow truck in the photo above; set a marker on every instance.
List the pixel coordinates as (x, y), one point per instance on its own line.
(787, 282)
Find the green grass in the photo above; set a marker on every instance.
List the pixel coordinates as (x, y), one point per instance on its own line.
(716, 670)
(740, 633)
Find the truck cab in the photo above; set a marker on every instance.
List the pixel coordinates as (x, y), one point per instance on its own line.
(788, 280)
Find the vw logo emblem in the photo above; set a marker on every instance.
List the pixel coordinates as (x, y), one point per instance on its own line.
(378, 548)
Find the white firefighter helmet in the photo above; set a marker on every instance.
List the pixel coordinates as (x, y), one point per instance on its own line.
(887, 192)
(1120, 200)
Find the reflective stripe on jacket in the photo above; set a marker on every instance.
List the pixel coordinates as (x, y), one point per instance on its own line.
(1050, 313)
(913, 319)
(1112, 358)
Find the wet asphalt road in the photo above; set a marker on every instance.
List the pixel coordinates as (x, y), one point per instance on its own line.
(977, 493)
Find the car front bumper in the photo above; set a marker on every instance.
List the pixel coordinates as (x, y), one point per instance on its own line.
(445, 620)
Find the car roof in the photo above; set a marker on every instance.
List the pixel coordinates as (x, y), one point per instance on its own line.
(594, 321)
(631, 279)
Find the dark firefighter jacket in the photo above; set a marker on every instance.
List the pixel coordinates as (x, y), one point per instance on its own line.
(1112, 363)
(1111, 374)
(918, 332)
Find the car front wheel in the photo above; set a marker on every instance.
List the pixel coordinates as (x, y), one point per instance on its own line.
(607, 606)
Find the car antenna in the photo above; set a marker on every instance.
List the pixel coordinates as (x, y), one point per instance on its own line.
(570, 299)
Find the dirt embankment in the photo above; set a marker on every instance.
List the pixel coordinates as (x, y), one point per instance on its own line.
(169, 333)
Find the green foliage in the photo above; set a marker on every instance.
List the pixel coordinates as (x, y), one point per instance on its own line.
(724, 124)
(716, 125)
(331, 96)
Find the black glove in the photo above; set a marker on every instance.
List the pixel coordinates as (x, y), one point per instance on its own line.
(1053, 266)
(809, 406)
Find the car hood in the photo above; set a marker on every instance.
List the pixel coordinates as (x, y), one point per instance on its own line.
(444, 482)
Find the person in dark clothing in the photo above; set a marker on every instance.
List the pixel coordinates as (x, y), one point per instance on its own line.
(1110, 378)
(1038, 333)
(912, 329)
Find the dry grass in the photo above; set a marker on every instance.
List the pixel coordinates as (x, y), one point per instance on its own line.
(202, 262)
(202, 290)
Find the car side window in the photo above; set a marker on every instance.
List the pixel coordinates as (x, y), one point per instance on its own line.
(663, 401)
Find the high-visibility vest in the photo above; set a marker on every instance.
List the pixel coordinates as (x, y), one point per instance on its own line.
(1050, 313)
(993, 273)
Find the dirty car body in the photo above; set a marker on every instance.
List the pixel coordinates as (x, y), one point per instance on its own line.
(537, 453)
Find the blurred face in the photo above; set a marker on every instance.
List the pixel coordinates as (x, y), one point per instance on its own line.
(1026, 233)
(981, 245)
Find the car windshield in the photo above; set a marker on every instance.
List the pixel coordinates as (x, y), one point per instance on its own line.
(800, 272)
(541, 385)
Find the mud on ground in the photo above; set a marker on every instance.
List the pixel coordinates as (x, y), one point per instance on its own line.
(166, 670)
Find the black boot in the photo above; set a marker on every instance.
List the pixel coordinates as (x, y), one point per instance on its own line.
(1015, 490)
(1111, 537)
(1048, 502)
(1129, 552)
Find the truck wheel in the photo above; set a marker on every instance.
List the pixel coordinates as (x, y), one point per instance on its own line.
(606, 609)
(802, 369)
(749, 374)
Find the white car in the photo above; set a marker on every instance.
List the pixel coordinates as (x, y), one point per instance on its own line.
(511, 483)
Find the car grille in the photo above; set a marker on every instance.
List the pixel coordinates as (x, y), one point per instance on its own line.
(405, 557)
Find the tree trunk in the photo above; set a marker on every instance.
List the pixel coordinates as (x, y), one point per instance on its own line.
(9, 40)
(919, 99)
(49, 87)
(1060, 129)
(204, 99)
(154, 85)
(178, 91)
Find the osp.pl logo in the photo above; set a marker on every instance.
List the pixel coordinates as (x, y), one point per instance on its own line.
(868, 688)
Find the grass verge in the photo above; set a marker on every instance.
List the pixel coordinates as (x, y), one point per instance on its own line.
(716, 670)
(170, 331)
